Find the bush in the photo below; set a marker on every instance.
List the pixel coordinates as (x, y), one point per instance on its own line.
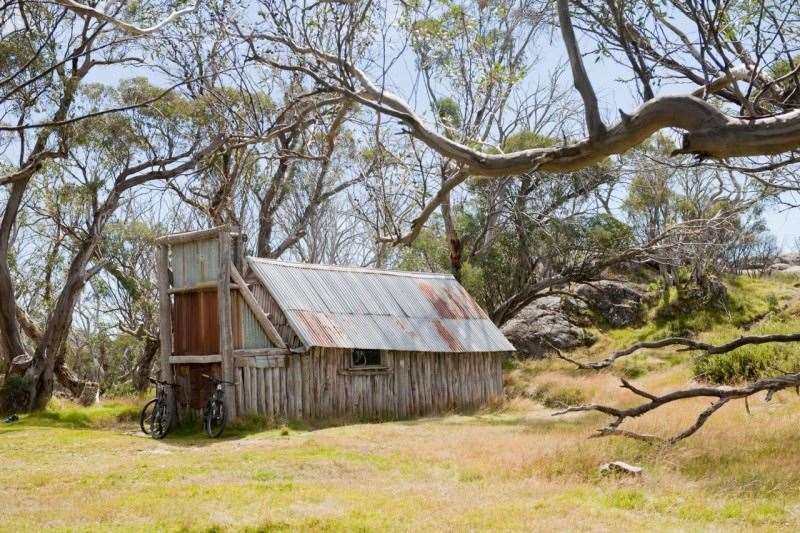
(120, 390)
(14, 394)
(747, 364)
(556, 396)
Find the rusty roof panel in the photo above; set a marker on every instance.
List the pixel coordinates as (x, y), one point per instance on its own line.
(347, 307)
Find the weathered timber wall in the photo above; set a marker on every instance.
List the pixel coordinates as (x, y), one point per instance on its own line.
(194, 262)
(193, 389)
(318, 384)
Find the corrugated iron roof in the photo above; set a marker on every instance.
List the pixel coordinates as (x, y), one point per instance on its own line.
(348, 307)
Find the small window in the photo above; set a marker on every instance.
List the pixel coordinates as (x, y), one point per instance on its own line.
(366, 358)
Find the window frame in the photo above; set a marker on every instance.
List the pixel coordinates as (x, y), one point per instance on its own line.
(381, 359)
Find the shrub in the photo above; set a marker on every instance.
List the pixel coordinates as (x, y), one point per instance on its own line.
(14, 394)
(634, 367)
(746, 364)
(554, 396)
(120, 390)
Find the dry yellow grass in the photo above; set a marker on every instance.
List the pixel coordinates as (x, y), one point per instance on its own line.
(518, 468)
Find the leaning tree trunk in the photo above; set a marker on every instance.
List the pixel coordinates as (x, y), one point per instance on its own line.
(48, 355)
(144, 364)
(10, 337)
(87, 392)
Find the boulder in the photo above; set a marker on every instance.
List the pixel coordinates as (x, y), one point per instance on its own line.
(780, 266)
(547, 322)
(619, 304)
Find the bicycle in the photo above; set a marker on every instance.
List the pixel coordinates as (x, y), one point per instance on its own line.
(214, 416)
(156, 416)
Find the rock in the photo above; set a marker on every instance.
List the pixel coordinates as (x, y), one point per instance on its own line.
(620, 304)
(618, 467)
(791, 258)
(549, 321)
(780, 266)
(794, 269)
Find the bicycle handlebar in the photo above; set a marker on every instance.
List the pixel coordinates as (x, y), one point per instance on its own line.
(159, 382)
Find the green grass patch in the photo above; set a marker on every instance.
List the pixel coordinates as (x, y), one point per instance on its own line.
(68, 415)
(627, 499)
(753, 361)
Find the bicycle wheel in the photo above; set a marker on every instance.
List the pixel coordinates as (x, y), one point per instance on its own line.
(146, 417)
(214, 421)
(161, 421)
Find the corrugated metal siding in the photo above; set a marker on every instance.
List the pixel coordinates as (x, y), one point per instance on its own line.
(252, 336)
(194, 262)
(364, 308)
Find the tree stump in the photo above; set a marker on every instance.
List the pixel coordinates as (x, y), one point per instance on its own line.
(90, 394)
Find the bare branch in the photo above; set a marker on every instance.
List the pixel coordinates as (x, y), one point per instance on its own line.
(708, 131)
(688, 344)
(126, 27)
(722, 394)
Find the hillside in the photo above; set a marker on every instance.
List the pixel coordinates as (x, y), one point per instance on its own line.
(512, 468)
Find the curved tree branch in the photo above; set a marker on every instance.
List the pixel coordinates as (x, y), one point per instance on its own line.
(722, 395)
(688, 344)
(708, 131)
(126, 27)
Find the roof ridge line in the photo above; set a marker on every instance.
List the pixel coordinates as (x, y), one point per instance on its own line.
(340, 268)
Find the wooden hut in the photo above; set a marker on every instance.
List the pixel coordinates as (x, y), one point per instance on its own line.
(304, 341)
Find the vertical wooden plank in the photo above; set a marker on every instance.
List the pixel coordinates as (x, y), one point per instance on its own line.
(280, 397)
(270, 395)
(270, 377)
(224, 311)
(261, 397)
(165, 323)
(248, 393)
(284, 397)
(288, 372)
(304, 384)
(165, 312)
(298, 385)
(254, 390)
(239, 390)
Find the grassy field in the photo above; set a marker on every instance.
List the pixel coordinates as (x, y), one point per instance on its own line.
(515, 468)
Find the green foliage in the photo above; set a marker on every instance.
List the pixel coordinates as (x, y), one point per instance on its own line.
(120, 390)
(14, 394)
(752, 362)
(448, 112)
(554, 395)
(525, 140)
(608, 233)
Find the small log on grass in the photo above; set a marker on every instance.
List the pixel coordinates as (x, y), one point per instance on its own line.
(619, 467)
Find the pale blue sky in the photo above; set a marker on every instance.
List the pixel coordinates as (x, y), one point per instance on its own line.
(612, 95)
